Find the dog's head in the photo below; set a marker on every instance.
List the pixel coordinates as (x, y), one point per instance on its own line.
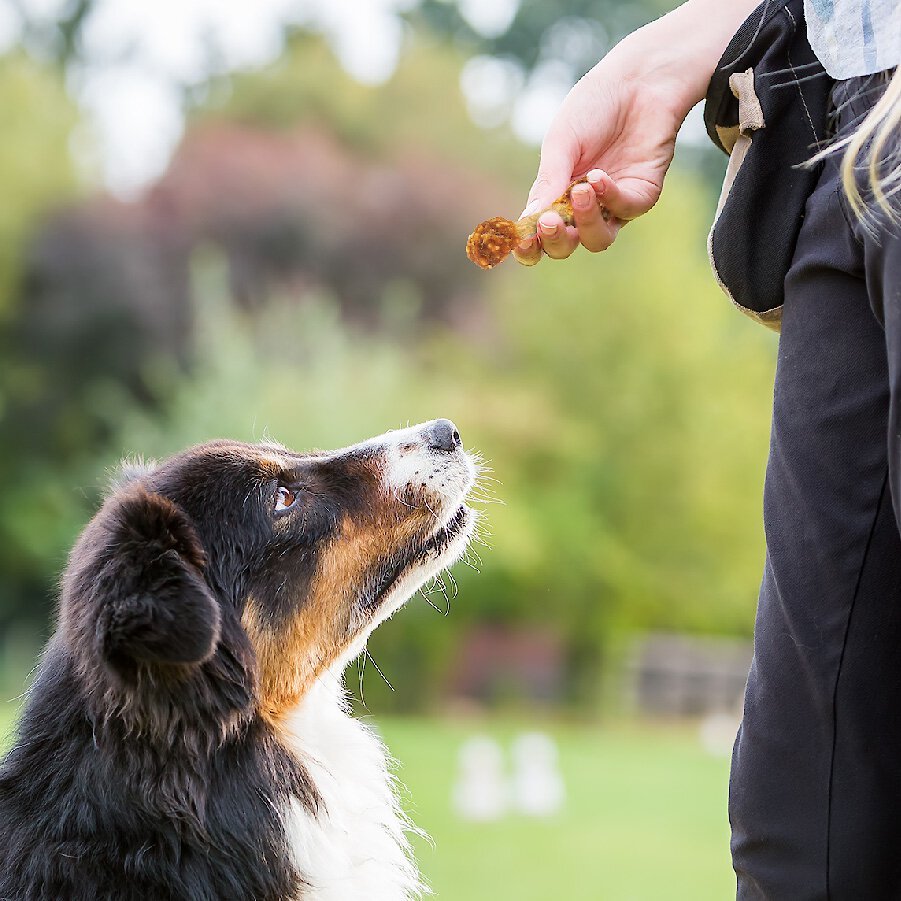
(251, 558)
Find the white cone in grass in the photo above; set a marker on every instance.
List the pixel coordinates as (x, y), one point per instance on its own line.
(480, 792)
(537, 785)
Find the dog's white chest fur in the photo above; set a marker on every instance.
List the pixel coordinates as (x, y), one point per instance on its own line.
(356, 846)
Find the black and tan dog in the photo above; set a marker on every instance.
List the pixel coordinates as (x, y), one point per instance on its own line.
(187, 734)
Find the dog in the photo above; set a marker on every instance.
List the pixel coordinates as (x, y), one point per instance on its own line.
(187, 734)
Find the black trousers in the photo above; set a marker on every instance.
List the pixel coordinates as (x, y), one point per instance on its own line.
(815, 792)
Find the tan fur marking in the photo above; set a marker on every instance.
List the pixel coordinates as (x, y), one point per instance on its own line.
(293, 656)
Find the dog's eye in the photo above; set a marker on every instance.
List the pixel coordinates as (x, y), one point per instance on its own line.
(284, 498)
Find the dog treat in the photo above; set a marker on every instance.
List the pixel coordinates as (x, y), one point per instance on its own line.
(494, 239)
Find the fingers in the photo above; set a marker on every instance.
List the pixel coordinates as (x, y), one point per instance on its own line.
(554, 239)
(557, 239)
(528, 252)
(595, 231)
(600, 209)
(626, 199)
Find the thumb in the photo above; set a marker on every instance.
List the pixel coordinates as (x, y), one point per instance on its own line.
(554, 175)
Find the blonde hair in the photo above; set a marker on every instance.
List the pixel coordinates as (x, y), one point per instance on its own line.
(869, 149)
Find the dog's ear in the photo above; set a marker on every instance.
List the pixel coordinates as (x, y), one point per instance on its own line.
(129, 471)
(155, 606)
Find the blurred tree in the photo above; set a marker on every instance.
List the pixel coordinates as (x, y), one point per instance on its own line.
(576, 34)
(36, 171)
(622, 402)
(104, 317)
(57, 36)
(36, 174)
(418, 110)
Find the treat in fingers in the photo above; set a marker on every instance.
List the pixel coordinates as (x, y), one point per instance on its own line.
(494, 239)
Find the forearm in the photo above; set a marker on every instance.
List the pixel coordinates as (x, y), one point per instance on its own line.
(683, 47)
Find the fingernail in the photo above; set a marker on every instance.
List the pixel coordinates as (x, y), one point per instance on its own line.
(596, 179)
(581, 197)
(531, 208)
(526, 245)
(549, 228)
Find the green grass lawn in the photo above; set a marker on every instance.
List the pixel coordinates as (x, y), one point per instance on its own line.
(644, 820)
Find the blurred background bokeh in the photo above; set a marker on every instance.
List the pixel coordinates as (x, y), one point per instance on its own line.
(248, 220)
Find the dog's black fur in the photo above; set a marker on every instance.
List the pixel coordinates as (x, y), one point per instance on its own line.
(143, 768)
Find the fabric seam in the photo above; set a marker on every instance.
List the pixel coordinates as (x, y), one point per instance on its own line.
(838, 675)
(816, 139)
(846, 215)
(763, 21)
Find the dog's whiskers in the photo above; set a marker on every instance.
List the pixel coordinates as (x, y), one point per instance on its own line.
(443, 589)
(361, 669)
(425, 597)
(453, 582)
(465, 559)
(379, 670)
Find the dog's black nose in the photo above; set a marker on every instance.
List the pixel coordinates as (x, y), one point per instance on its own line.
(442, 435)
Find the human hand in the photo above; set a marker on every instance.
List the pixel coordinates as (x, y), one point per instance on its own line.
(620, 131)
(618, 126)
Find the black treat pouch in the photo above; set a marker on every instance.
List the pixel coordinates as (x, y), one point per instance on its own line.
(767, 107)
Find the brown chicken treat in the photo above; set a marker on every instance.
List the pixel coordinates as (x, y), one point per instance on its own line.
(494, 239)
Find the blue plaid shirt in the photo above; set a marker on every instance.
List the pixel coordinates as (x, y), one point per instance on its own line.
(854, 37)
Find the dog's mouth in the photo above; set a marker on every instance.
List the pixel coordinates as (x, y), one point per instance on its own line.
(439, 542)
(426, 554)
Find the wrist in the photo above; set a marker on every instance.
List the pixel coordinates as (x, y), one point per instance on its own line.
(680, 51)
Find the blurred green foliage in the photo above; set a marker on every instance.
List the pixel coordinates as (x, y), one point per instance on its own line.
(36, 170)
(420, 110)
(36, 175)
(622, 404)
(577, 35)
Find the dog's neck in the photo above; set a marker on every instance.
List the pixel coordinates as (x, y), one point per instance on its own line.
(356, 845)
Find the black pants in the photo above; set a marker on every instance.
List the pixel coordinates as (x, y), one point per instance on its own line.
(815, 793)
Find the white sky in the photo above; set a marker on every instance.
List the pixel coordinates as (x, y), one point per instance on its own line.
(141, 52)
